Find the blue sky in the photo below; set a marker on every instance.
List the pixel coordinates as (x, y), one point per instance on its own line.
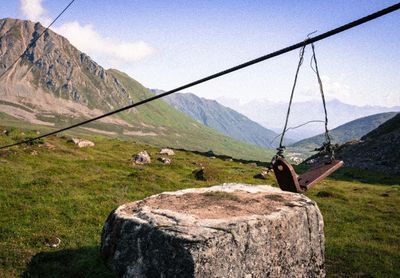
(164, 44)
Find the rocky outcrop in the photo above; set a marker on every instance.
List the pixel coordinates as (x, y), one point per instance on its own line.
(233, 230)
(377, 151)
(167, 151)
(82, 143)
(141, 158)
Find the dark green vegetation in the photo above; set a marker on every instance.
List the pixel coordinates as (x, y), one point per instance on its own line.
(68, 193)
(353, 130)
(224, 119)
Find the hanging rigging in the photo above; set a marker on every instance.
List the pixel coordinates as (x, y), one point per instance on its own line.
(285, 174)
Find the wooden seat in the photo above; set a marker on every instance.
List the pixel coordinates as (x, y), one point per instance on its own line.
(288, 180)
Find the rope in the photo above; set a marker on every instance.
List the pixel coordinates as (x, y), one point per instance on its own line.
(327, 146)
(35, 40)
(281, 148)
(295, 127)
(325, 35)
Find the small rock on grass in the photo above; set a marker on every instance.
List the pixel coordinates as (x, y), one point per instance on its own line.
(49, 146)
(167, 151)
(82, 143)
(263, 175)
(141, 158)
(166, 161)
(52, 242)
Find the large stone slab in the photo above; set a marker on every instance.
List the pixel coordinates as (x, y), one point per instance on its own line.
(232, 230)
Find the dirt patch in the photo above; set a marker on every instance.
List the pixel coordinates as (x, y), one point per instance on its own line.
(99, 131)
(219, 204)
(140, 133)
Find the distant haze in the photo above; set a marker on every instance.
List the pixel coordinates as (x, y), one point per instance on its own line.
(272, 114)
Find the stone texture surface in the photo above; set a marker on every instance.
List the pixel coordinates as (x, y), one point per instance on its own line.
(232, 230)
(82, 143)
(141, 158)
(167, 151)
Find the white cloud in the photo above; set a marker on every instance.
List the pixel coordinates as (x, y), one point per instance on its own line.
(106, 51)
(333, 89)
(33, 10)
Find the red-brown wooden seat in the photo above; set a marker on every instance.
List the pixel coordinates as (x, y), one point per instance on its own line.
(288, 180)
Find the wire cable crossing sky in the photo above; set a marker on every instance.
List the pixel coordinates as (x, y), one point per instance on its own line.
(309, 40)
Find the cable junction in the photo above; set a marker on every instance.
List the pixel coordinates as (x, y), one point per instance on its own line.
(287, 49)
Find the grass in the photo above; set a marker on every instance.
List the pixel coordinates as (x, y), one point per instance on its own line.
(69, 192)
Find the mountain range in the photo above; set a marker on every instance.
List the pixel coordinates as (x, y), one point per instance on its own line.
(224, 119)
(54, 85)
(350, 131)
(272, 114)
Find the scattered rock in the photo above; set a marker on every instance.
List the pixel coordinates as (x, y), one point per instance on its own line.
(167, 151)
(52, 242)
(82, 143)
(214, 232)
(199, 174)
(141, 158)
(6, 132)
(253, 164)
(263, 175)
(207, 173)
(165, 160)
(49, 146)
(34, 152)
(229, 159)
(212, 157)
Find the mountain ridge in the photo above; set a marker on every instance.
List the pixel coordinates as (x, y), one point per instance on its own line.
(352, 130)
(224, 119)
(55, 85)
(378, 150)
(272, 115)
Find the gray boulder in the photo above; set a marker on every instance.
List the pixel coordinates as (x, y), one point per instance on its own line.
(165, 160)
(167, 151)
(141, 158)
(82, 143)
(232, 230)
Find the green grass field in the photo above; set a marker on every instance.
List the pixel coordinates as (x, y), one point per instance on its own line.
(68, 193)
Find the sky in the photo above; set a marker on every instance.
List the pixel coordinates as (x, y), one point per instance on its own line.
(165, 44)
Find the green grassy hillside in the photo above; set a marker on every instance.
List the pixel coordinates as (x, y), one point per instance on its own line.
(57, 85)
(353, 130)
(68, 193)
(225, 120)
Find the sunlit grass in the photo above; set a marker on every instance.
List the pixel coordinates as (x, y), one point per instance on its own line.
(69, 192)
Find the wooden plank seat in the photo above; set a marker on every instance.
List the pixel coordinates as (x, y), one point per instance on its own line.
(288, 179)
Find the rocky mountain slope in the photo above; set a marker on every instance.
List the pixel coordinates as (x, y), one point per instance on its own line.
(378, 150)
(55, 84)
(224, 119)
(353, 130)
